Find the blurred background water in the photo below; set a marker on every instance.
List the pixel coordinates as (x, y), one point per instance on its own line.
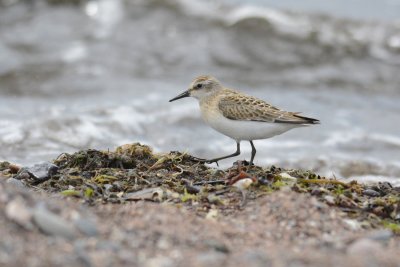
(98, 74)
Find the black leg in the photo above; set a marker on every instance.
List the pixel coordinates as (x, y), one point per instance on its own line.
(237, 153)
(253, 152)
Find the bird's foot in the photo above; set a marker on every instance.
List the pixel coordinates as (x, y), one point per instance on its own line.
(208, 161)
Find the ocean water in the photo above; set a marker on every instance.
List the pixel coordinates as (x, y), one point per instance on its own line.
(100, 74)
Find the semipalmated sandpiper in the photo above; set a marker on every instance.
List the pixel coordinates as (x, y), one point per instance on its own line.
(240, 116)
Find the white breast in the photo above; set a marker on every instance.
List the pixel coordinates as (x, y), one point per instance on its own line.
(244, 130)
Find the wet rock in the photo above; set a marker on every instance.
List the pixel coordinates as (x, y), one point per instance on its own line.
(371, 193)
(192, 189)
(18, 211)
(15, 182)
(39, 172)
(53, 224)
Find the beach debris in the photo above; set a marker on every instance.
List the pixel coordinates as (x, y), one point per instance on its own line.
(152, 194)
(134, 173)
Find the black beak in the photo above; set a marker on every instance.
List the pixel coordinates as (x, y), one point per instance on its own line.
(184, 94)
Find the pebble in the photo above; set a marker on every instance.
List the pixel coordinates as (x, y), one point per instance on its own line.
(53, 224)
(87, 227)
(17, 211)
(329, 199)
(352, 224)
(39, 172)
(380, 235)
(217, 245)
(14, 168)
(212, 214)
(371, 193)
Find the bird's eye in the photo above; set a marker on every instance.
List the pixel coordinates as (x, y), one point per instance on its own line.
(199, 85)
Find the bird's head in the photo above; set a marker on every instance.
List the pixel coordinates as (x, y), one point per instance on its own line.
(201, 87)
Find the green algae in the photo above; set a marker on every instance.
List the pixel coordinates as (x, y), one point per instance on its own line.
(188, 197)
(394, 227)
(70, 193)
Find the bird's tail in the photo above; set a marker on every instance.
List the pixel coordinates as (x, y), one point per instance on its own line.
(307, 120)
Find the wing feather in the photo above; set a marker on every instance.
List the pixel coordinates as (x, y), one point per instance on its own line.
(247, 108)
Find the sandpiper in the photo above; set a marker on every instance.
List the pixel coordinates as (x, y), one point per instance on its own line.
(240, 116)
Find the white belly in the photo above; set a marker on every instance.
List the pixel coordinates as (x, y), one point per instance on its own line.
(247, 130)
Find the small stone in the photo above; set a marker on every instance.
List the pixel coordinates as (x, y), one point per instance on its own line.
(371, 193)
(192, 189)
(352, 224)
(212, 214)
(53, 224)
(87, 227)
(17, 211)
(243, 184)
(380, 235)
(217, 245)
(329, 199)
(14, 168)
(15, 182)
(39, 172)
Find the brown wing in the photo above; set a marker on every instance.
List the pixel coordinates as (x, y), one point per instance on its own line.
(248, 108)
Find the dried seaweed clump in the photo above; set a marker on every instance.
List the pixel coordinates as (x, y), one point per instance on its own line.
(133, 172)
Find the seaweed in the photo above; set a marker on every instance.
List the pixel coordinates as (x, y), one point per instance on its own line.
(134, 173)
